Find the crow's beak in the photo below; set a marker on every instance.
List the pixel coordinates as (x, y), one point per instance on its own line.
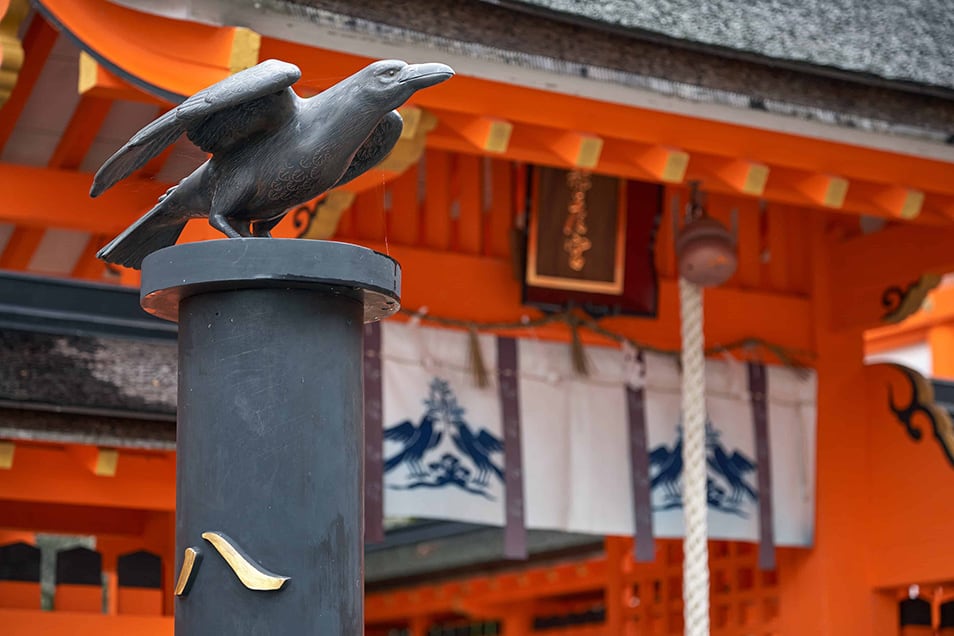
(424, 75)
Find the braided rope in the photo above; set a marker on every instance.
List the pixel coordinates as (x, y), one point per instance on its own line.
(695, 572)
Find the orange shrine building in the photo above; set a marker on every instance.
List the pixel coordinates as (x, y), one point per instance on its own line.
(822, 140)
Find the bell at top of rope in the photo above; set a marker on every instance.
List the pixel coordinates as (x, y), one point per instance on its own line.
(705, 248)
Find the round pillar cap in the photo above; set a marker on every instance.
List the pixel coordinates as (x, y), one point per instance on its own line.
(177, 272)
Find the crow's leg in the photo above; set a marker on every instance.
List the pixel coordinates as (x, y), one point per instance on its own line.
(227, 202)
(234, 228)
(219, 222)
(264, 228)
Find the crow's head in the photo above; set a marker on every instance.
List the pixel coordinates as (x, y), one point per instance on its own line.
(391, 82)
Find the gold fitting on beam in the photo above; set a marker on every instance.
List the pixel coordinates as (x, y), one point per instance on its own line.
(246, 45)
(7, 450)
(836, 192)
(674, 170)
(107, 460)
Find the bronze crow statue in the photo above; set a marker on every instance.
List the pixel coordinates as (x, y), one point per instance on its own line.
(271, 150)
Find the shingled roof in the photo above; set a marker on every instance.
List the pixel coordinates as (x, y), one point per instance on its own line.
(907, 40)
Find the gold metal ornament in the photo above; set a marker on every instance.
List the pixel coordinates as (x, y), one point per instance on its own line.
(251, 575)
(190, 564)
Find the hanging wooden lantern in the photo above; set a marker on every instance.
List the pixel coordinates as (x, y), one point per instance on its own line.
(705, 248)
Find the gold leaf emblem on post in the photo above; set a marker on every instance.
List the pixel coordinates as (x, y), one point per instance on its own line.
(190, 563)
(252, 576)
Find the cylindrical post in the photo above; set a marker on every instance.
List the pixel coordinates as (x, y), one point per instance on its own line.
(270, 433)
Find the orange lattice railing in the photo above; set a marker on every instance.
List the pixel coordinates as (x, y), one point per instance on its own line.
(743, 599)
(607, 596)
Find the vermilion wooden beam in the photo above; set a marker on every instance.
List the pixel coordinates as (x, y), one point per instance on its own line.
(617, 160)
(735, 313)
(42, 197)
(741, 175)
(825, 190)
(905, 203)
(80, 133)
(20, 247)
(666, 164)
(580, 150)
(97, 81)
(101, 462)
(647, 163)
(864, 267)
(122, 38)
(37, 44)
(47, 474)
(944, 205)
(87, 265)
(893, 201)
(37, 516)
(482, 99)
(523, 106)
(486, 134)
(913, 250)
(31, 622)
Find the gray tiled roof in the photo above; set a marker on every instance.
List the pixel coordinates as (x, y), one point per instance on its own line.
(906, 40)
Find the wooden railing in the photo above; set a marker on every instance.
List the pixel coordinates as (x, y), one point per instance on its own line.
(608, 596)
(85, 602)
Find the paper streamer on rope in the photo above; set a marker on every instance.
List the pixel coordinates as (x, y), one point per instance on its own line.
(645, 544)
(758, 391)
(373, 441)
(515, 531)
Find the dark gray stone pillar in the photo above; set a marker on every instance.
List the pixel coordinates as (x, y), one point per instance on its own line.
(270, 431)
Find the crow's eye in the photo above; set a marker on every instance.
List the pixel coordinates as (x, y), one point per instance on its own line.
(392, 72)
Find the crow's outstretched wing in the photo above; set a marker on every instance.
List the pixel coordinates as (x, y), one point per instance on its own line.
(741, 463)
(215, 119)
(400, 432)
(659, 456)
(375, 148)
(488, 442)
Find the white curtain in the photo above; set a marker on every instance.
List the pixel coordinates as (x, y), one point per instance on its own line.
(443, 440)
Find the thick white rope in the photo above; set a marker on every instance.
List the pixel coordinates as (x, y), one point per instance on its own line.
(695, 568)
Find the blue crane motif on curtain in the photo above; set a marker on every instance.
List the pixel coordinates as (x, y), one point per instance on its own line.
(469, 465)
(727, 487)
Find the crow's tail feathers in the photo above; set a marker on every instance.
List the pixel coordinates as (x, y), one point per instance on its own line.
(153, 231)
